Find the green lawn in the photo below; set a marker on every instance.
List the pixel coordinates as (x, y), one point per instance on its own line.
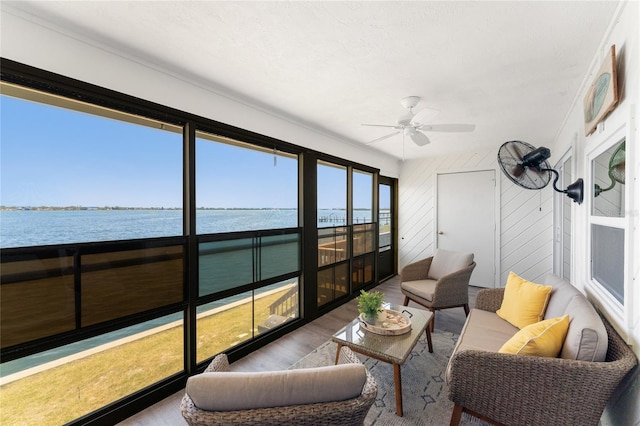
(64, 393)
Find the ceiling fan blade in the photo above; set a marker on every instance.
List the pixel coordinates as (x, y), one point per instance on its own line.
(425, 115)
(419, 138)
(448, 127)
(393, 126)
(382, 138)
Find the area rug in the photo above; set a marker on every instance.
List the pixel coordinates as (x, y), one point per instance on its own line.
(424, 391)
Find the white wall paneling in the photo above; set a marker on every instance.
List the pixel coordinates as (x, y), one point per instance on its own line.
(525, 221)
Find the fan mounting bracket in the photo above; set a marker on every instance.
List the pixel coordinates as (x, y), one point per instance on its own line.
(410, 102)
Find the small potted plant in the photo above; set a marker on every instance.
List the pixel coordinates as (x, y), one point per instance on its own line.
(370, 305)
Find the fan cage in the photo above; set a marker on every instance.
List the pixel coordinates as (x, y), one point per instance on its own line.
(510, 157)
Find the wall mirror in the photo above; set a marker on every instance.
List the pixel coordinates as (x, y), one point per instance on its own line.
(608, 171)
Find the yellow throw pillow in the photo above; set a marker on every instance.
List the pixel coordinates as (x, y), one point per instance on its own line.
(524, 302)
(544, 338)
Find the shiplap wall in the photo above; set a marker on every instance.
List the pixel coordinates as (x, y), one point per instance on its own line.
(526, 220)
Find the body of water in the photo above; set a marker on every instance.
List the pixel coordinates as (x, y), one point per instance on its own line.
(23, 228)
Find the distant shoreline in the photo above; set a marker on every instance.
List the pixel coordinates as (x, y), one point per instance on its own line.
(76, 208)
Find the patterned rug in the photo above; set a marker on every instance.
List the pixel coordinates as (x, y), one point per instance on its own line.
(424, 391)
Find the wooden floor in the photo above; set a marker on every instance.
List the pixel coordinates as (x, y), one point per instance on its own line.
(284, 352)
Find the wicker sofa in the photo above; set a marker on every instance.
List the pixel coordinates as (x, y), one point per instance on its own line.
(530, 390)
(267, 396)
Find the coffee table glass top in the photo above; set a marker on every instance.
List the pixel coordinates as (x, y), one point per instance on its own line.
(392, 349)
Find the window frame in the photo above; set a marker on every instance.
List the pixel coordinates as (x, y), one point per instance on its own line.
(600, 295)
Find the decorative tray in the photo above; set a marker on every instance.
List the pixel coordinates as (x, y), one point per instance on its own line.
(389, 323)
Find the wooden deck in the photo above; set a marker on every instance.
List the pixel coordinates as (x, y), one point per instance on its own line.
(284, 352)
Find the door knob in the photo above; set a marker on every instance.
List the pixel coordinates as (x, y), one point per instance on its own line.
(441, 232)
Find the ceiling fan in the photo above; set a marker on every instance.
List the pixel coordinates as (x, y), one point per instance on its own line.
(414, 124)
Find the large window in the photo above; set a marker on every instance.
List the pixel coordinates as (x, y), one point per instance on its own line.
(386, 231)
(332, 195)
(333, 235)
(135, 245)
(347, 231)
(363, 227)
(364, 230)
(92, 274)
(362, 197)
(241, 191)
(384, 217)
(607, 233)
(69, 176)
(241, 188)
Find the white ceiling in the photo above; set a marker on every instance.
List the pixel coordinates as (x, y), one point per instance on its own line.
(512, 68)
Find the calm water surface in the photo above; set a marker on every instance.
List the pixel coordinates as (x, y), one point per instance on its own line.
(22, 228)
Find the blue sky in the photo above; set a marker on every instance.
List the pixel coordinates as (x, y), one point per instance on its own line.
(51, 156)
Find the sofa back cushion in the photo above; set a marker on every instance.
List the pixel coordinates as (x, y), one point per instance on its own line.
(446, 262)
(587, 338)
(228, 391)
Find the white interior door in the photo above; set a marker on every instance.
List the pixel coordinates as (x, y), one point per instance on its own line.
(466, 220)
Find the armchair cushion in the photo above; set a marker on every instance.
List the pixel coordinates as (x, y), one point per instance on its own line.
(446, 262)
(421, 288)
(544, 338)
(228, 391)
(524, 302)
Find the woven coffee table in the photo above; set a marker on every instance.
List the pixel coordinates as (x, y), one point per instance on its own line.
(391, 349)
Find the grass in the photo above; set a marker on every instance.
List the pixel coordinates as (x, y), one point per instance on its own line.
(61, 394)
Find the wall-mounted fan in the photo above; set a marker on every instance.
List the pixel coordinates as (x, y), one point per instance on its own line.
(617, 166)
(528, 167)
(414, 124)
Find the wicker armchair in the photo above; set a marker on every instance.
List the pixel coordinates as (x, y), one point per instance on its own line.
(527, 390)
(449, 290)
(347, 412)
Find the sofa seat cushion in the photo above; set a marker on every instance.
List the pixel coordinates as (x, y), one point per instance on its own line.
(423, 289)
(484, 331)
(524, 302)
(544, 338)
(229, 391)
(587, 338)
(446, 262)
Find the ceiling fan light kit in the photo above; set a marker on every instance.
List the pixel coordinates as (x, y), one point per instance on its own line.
(410, 102)
(527, 167)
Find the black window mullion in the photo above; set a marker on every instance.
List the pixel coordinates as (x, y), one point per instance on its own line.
(192, 257)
